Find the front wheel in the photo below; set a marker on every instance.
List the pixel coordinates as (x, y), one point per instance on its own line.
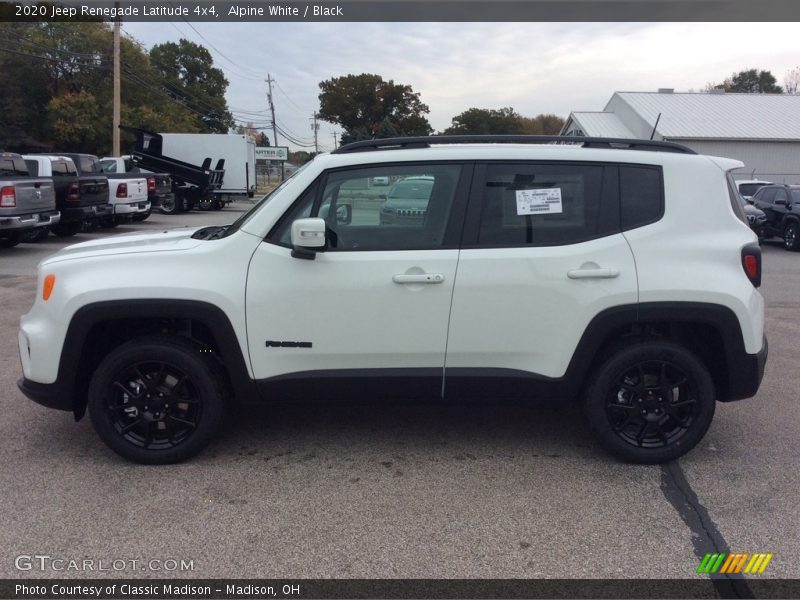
(791, 237)
(157, 400)
(650, 403)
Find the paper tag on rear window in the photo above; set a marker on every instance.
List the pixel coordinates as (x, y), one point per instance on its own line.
(546, 201)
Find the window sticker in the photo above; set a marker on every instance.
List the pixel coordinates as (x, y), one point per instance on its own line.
(546, 201)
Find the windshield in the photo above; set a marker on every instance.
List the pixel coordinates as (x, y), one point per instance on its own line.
(246, 216)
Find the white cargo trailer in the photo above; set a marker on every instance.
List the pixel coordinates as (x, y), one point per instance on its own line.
(238, 151)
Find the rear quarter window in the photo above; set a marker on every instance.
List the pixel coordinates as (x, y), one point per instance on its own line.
(641, 190)
(33, 167)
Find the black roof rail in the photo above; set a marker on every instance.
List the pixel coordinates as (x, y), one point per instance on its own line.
(400, 143)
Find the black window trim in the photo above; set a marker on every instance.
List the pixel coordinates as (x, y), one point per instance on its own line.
(469, 239)
(453, 228)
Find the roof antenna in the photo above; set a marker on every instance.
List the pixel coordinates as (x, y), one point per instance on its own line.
(656, 125)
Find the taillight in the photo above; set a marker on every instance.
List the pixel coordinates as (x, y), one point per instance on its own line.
(8, 197)
(751, 263)
(122, 190)
(74, 192)
(151, 184)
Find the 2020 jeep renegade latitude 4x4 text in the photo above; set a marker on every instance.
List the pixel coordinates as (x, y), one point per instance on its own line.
(534, 269)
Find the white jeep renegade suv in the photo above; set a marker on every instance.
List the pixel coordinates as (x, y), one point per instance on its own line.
(536, 269)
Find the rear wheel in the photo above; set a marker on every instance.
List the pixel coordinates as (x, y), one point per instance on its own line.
(791, 236)
(157, 400)
(34, 235)
(169, 206)
(138, 217)
(650, 403)
(67, 229)
(9, 239)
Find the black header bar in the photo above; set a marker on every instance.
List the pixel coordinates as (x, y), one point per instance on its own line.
(406, 11)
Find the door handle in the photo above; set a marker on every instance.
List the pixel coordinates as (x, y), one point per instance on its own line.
(593, 273)
(420, 278)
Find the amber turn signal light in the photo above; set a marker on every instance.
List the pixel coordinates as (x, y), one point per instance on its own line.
(49, 284)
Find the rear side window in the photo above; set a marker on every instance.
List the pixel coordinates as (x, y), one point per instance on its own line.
(89, 164)
(641, 195)
(33, 167)
(61, 168)
(546, 204)
(13, 167)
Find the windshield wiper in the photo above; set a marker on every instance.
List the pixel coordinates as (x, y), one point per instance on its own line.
(213, 232)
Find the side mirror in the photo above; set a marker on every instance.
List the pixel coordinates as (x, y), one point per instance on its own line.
(344, 214)
(781, 202)
(308, 237)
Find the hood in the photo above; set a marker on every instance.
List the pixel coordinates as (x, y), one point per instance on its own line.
(129, 243)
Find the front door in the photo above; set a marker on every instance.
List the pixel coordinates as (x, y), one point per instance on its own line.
(370, 313)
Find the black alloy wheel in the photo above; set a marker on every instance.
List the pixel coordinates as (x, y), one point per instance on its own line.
(650, 402)
(157, 400)
(791, 237)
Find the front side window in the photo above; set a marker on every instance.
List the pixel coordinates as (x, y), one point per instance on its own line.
(766, 195)
(379, 208)
(546, 204)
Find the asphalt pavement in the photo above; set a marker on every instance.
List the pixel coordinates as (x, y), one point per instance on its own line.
(369, 488)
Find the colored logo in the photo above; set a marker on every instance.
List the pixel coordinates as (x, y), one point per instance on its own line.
(735, 562)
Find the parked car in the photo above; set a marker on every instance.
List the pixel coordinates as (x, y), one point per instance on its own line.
(79, 198)
(127, 194)
(748, 187)
(755, 217)
(781, 205)
(407, 201)
(539, 270)
(159, 185)
(26, 203)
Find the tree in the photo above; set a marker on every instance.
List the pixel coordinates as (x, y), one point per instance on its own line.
(542, 125)
(187, 72)
(505, 121)
(483, 121)
(750, 81)
(263, 139)
(366, 107)
(52, 70)
(791, 82)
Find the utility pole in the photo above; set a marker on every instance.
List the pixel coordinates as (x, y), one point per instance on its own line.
(315, 127)
(335, 142)
(272, 110)
(116, 117)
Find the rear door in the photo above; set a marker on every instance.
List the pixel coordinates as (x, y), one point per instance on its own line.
(543, 254)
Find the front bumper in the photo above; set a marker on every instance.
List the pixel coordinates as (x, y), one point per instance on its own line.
(30, 221)
(47, 394)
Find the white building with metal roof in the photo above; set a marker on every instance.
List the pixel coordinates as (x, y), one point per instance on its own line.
(761, 130)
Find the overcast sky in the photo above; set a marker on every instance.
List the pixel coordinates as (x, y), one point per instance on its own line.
(532, 67)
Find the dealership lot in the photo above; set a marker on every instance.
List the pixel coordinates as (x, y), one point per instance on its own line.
(372, 488)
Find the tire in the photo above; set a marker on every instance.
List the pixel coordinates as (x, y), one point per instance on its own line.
(791, 236)
(67, 229)
(650, 403)
(9, 239)
(169, 206)
(34, 235)
(139, 217)
(124, 402)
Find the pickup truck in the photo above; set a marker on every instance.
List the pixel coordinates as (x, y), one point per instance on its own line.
(159, 185)
(127, 194)
(79, 198)
(25, 202)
